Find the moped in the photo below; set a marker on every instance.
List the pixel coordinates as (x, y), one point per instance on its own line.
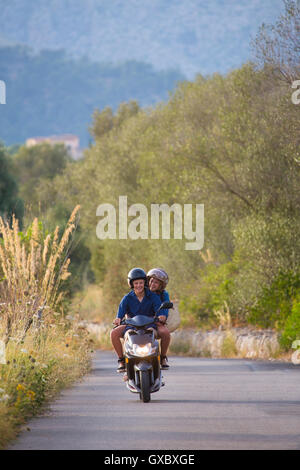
(142, 355)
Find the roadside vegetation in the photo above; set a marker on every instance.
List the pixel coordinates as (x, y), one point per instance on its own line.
(45, 349)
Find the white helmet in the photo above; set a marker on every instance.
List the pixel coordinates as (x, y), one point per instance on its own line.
(159, 274)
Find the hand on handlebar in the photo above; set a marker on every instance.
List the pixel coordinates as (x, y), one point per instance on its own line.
(162, 319)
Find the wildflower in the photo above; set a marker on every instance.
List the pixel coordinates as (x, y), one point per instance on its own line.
(31, 394)
(23, 350)
(20, 387)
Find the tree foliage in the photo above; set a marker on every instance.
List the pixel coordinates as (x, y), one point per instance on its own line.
(278, 46)
(228, 142)
(9, 200)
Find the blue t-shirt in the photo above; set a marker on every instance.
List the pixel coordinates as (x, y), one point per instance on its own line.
(131, 305)
(164, 297)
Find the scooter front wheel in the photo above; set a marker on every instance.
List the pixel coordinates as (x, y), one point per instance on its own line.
(145, 395)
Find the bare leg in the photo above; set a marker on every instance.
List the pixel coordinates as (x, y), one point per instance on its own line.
(115, 336)
(165, 337)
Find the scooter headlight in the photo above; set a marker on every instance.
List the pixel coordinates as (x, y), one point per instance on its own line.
(142, 351)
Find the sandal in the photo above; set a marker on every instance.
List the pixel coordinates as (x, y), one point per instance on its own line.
(164, 362)
(121, 362)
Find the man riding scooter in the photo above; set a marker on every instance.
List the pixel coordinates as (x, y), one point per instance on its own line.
(140, 301)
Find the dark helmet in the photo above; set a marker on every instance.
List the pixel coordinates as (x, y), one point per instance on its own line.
(134, 274)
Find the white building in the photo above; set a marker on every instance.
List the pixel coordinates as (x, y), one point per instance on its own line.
(69, 140)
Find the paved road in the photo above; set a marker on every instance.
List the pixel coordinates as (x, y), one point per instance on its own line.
(206, 404)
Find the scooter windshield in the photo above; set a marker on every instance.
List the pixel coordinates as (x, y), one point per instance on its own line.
(139, 321)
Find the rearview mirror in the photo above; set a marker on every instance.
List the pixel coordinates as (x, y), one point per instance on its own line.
(166, 305)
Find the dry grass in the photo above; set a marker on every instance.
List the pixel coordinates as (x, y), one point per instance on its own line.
(224, 317)
(33, 266)
(90, 304)
(45, 349)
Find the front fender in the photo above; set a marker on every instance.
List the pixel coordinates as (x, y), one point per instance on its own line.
(143, 365)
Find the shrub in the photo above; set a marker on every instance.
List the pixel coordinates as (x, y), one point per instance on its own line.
(228, 348)
(274, 306)
(291, 329)
(215, 289)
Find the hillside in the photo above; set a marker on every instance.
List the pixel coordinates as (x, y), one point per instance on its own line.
(197, 36)
(50, 93)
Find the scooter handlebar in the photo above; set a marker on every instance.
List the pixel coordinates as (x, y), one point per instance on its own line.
(164, 306)
(122, 322)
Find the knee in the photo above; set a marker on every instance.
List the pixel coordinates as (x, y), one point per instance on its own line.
(117, 333)
(114, 334)
(163, 332)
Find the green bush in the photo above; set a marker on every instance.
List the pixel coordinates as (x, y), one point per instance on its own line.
(229, 347)
(291, 330)
(274, 306)
(215, 287)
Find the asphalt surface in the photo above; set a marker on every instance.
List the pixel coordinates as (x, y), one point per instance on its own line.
(205, 404)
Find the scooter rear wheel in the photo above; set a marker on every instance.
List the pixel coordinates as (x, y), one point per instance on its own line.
(145, 395)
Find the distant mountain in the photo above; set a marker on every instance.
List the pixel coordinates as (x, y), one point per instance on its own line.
(49, 93)
(198, 36)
